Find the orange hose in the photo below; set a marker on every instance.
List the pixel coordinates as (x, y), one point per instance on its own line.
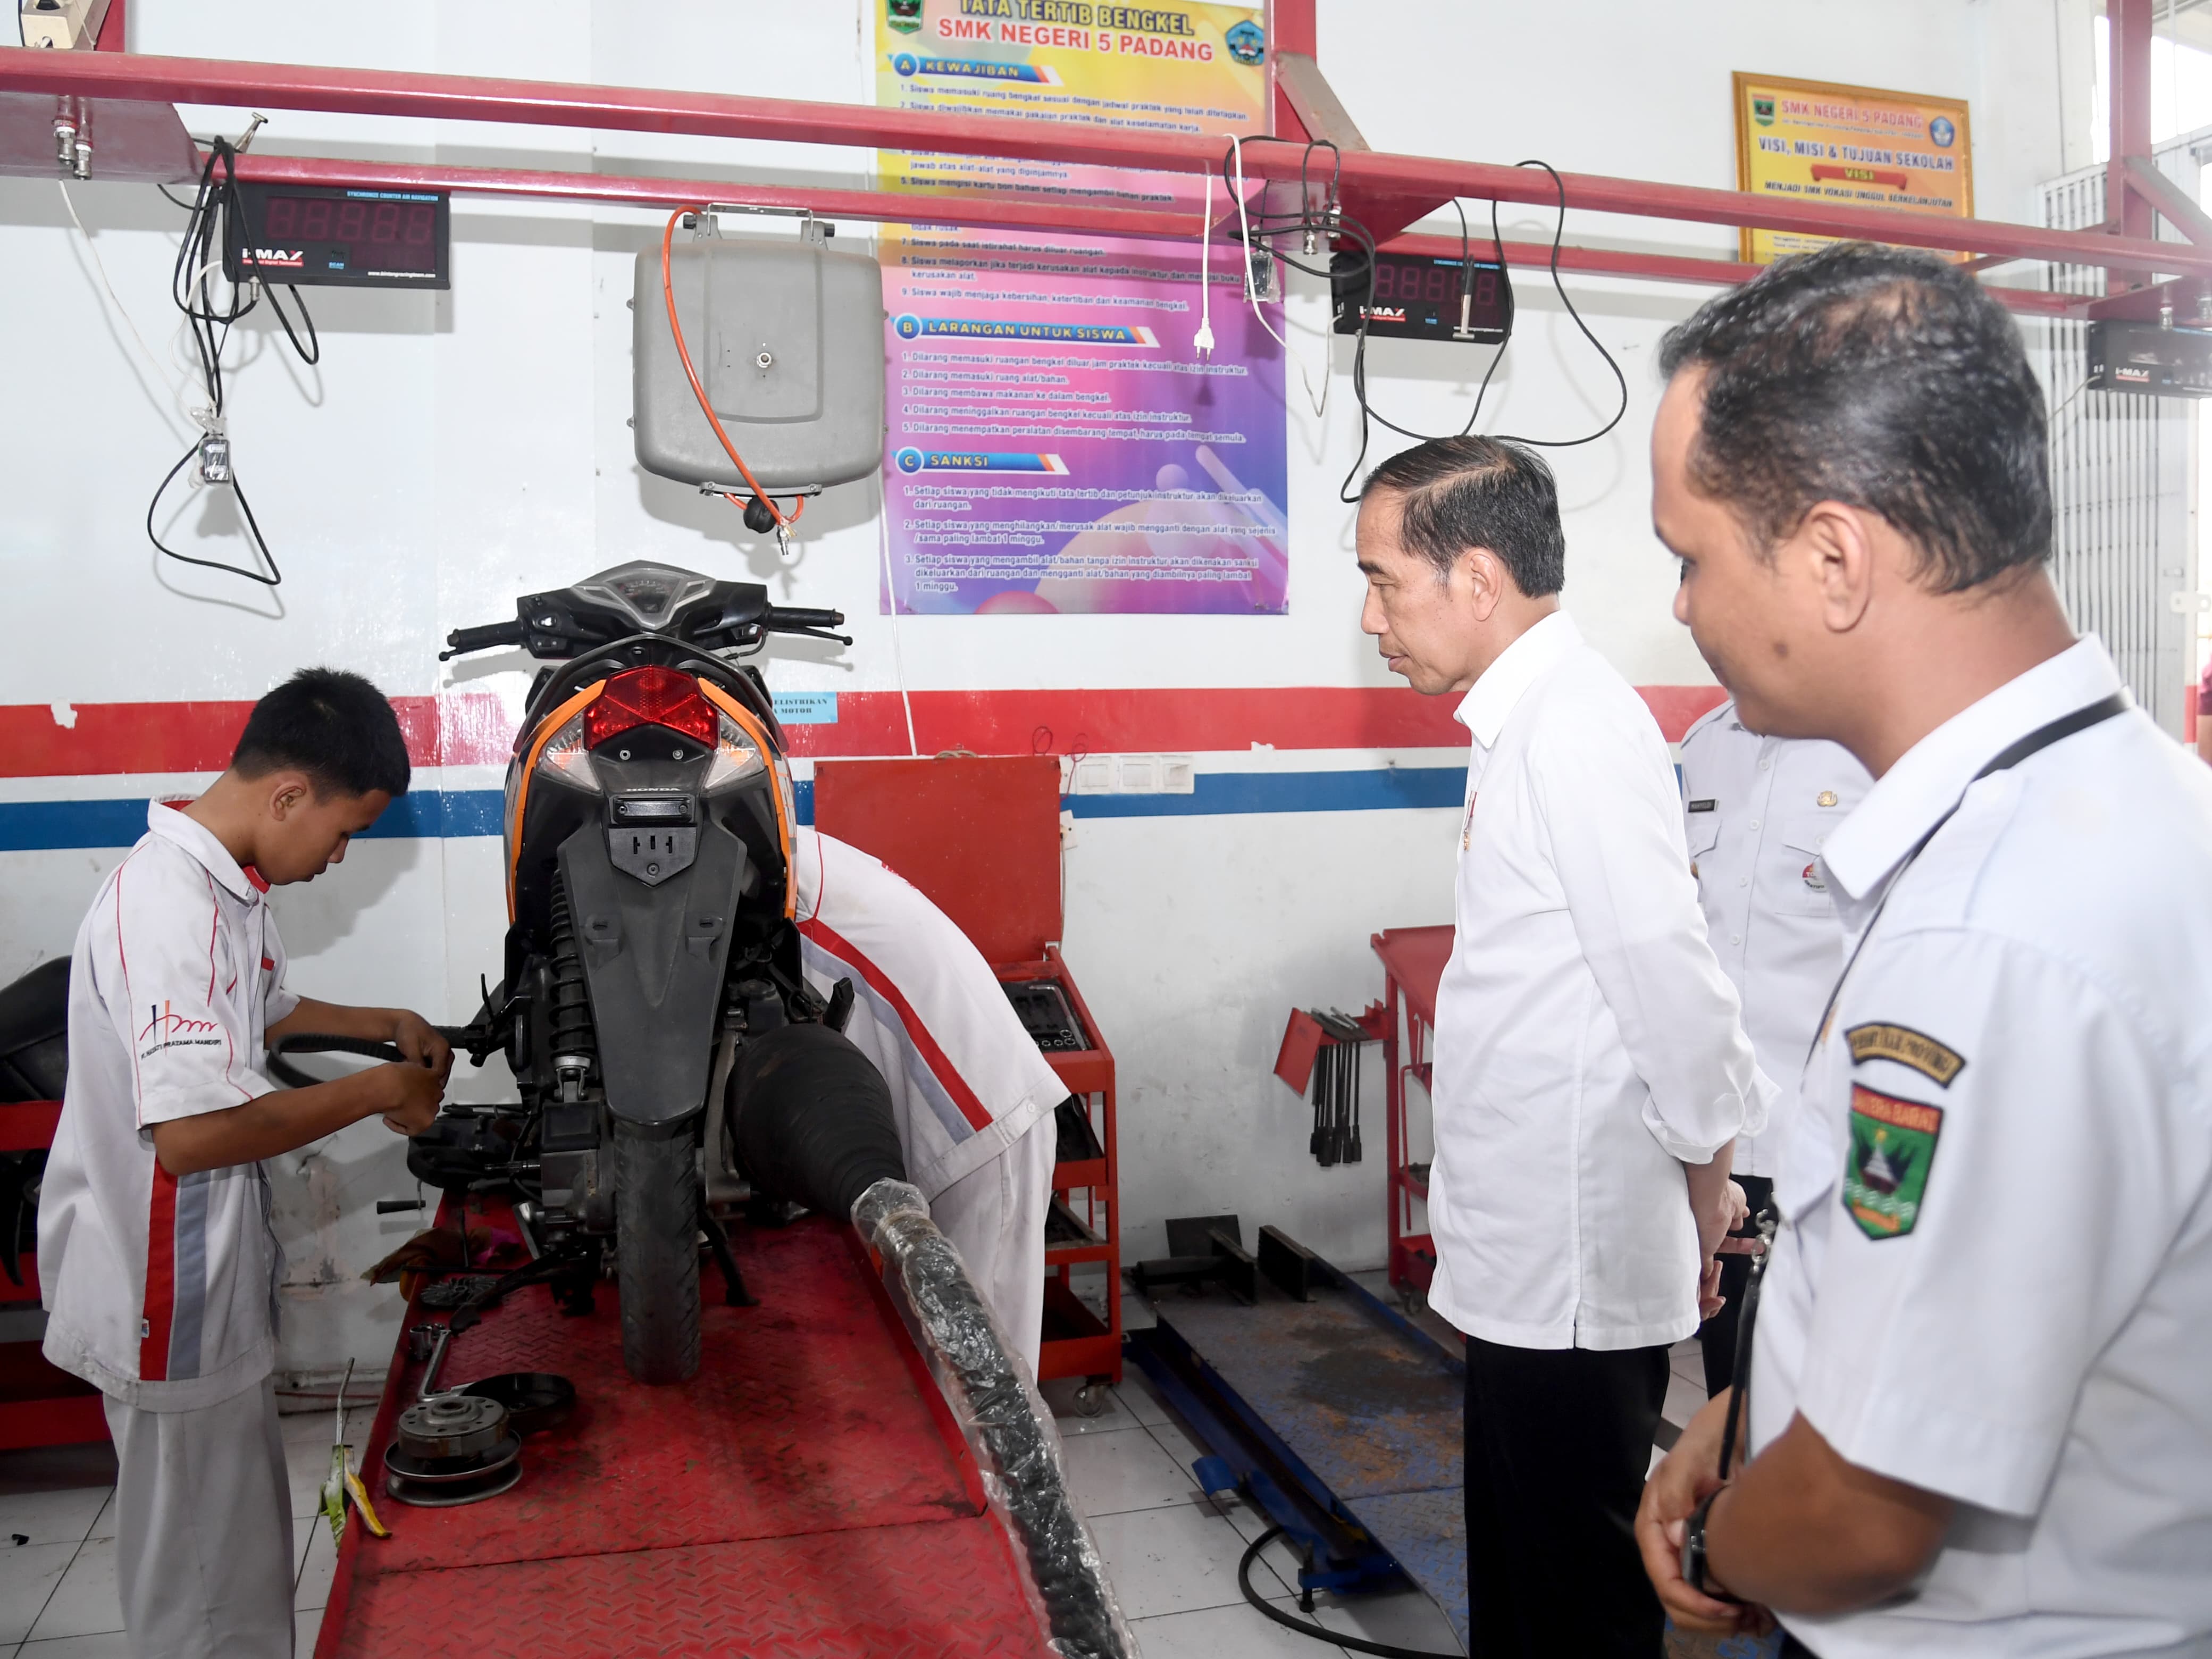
(683, 352)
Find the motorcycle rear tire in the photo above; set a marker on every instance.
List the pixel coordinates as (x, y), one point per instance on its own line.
(657, 1252)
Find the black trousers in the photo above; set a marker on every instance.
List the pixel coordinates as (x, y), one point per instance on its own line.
(1716, 1336)
(1558, 1443)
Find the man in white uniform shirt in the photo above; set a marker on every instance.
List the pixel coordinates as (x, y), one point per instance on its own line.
(1981, 1391)
(973, 1094)
(1758, 811)
(1591, 1074)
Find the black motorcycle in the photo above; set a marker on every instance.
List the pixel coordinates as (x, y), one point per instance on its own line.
(661, 1034)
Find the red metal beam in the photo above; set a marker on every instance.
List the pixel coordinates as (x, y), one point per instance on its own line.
(981, 212)
(382, 92)
(2129, 107)
(1675, 268)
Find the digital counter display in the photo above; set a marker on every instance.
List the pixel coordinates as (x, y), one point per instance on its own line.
(1416, 297)
(332, 235)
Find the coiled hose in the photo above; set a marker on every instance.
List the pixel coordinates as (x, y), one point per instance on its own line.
(1007, 1425)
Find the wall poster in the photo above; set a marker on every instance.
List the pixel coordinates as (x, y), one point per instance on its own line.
(1055, 441)
(1848, 144)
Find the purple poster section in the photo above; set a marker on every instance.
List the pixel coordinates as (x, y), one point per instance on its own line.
(1057, 442)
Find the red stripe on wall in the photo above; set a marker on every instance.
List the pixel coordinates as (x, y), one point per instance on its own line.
(471, 729)
(161, 1307)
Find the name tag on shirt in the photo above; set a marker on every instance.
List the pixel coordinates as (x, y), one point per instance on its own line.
(1704, 805)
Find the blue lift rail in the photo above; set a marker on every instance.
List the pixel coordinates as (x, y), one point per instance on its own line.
(1337, 1415)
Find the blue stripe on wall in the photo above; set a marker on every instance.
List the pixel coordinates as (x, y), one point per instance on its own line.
(1224, 792)
(46, 825)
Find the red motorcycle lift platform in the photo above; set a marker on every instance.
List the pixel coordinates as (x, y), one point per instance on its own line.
(806, 1496)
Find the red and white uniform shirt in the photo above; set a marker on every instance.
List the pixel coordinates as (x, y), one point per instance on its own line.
(966, 1079)
(163, 1292)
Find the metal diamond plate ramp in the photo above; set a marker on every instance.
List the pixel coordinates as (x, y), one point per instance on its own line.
(804, 1494)
(939, 1591)
(1373, 1407)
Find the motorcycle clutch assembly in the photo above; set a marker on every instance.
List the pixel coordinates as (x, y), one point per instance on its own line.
(450, 1450)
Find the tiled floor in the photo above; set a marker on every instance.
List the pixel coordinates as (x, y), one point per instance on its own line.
(58, 1596)
(1171, 1550)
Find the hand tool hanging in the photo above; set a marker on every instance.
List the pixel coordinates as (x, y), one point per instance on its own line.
(1336, 1090)
(1320, 1053)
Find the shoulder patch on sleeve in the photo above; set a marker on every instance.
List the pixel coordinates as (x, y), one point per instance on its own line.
(1908, 1047)
(1886, 1169)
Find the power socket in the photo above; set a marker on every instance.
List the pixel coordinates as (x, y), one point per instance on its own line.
(1266, 277)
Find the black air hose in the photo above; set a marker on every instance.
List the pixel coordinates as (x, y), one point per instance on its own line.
(1006, 1425)
(813, 1119)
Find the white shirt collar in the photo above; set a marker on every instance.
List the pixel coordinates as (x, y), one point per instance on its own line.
(199, 840)
(1517, 667)
(1930, 778)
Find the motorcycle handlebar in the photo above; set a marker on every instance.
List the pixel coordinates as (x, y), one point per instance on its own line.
(787, 619)
(463, 640)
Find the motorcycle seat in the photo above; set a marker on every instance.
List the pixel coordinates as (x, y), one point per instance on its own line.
(34, 1033)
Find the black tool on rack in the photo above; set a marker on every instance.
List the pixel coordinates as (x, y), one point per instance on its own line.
(1335, 1137)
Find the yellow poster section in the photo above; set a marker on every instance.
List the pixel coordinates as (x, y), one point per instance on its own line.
(1811, 141)
(1187, 68)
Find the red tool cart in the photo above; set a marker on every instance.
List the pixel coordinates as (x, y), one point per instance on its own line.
(981, 836)
(1412, 962)
(40, 1405)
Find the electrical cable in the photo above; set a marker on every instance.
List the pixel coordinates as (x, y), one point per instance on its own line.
(1251, 291)
(1307, 1627)
(761, 497)
(176, 390)
(1359, 354)
(209, 324)
(898, 656)
(1202, 342)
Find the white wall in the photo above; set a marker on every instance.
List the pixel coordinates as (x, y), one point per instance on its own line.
(453, 450)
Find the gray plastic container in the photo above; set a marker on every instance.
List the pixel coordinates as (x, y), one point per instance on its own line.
(787, 336)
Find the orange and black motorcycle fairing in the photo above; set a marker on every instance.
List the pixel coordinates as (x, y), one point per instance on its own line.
(648, 823)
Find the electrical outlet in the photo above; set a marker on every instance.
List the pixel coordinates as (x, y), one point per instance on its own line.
(1094, 775)
(62, 25)
(1267, 279)
(1178, 775)
(1139, 775)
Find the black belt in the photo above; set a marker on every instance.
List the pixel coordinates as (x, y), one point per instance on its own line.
(2042, 737)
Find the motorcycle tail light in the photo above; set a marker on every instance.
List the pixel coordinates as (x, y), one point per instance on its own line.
(735, 756)
(567, 755)
(650, 697)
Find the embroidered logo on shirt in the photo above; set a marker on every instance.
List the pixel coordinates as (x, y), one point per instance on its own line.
(1826, 797)
(1704, 805)
(1813, 878)
(1907, 1047)
(1886, 1170)
(175, 1031)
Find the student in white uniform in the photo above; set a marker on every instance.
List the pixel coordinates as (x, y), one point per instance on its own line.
(1981, 1394)
(1591, 1073)
(974, 1095)
(1758, 811)
(160, 1264)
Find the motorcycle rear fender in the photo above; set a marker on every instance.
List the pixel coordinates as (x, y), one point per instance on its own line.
(653, 959)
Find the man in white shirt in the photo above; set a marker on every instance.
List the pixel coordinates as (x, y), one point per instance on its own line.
(973, 1094)
(158, 1264)
(1980, 1414)
(1591, 1074)
(1758, 811)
